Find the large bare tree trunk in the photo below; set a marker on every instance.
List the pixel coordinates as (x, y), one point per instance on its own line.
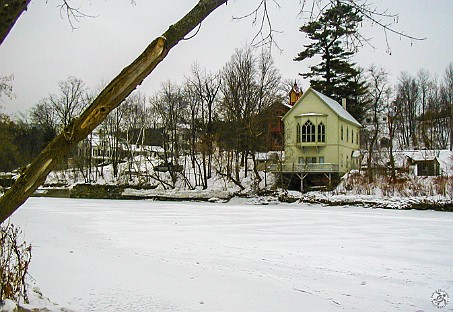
(112, 96)
(10, 10)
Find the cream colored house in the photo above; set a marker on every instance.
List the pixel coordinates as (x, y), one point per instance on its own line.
(321, 137)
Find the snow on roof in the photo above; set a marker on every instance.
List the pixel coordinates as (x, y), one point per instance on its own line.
(288, 105)
(421, 155)
(262, 156)
(356, 154)
(445, 158)
(336, 107)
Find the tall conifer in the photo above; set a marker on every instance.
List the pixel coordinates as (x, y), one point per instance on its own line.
(333, 35)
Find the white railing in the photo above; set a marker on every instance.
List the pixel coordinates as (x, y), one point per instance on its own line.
(304, 168)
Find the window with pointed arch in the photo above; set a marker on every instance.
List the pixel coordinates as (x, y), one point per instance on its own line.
(298, 133)
(321, 132)
(308, 132)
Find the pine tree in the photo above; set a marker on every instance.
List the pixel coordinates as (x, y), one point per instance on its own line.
(333, 36)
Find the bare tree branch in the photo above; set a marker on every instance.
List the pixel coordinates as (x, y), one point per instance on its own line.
(10, 10)
(111, 97)
(262, 18)
(72, 14)
(382, 18)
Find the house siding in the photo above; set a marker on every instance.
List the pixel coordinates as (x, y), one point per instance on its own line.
(334, 150)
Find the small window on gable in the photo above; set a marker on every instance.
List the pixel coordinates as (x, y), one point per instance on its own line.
(341, 133)
(347, 134)
(352, 135)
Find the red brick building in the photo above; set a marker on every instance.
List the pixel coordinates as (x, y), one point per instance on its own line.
(272, 119)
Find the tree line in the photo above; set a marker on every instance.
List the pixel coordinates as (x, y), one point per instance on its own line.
(416, 113)
(216, 120)
(207, 112)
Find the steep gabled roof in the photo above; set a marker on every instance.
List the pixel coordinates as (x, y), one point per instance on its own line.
(332, 104)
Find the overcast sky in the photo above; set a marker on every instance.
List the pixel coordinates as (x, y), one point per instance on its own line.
(42, 49)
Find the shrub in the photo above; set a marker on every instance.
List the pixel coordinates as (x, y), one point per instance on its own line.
(450, 187)
(441, 184)
(15, 256)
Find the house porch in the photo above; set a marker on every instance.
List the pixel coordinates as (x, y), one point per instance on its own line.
(306, 176)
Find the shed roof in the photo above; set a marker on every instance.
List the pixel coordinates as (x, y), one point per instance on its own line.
(422, 155)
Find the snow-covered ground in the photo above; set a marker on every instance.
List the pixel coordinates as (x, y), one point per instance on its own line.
(102, 255)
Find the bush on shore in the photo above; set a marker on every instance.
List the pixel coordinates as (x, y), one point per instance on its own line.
(15, 256)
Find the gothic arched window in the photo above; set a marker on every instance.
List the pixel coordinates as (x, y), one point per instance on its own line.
(308, 132)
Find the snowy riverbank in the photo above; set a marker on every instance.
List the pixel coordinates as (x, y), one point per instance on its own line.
(116, 255)
(439, 203)
(335, 198)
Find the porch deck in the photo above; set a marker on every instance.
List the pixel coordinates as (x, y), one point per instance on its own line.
(304, 168)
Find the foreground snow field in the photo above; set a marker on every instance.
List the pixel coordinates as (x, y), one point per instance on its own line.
(101, 255)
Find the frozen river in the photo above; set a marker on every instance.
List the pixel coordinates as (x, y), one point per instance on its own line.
(101, 255)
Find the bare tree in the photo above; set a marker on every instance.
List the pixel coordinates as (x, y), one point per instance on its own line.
(70, 102)
(111, 128)
(6, 87)
(250, 84)
(202, 90)
(448, 96)
(407, 97)
(239, 104)
(134, 124)
(379, 91)
(424, 84)
(44, 115)
(393, 112)
(169, 108)
(269, 80)
(435, 120)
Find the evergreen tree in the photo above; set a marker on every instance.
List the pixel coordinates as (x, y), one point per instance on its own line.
(333, 39)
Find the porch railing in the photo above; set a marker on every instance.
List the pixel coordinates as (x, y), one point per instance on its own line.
(304, 168)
